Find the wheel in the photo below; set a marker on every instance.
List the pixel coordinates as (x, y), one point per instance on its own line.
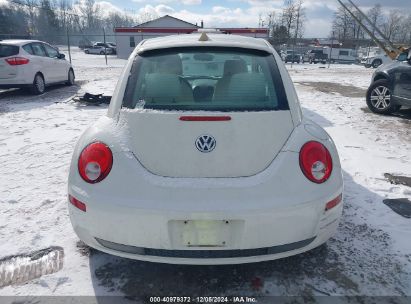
(87, 51)
(376, 63)
(39, 86)
(70, 78)
(379, 98)
(102, 53)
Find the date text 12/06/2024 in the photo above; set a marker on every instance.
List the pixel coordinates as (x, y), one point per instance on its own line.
(221, 299)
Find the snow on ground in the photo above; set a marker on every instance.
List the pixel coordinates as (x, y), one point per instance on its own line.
(370, 255)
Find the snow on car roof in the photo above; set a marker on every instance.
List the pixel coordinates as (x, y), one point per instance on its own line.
(192, 40)
(17, 41)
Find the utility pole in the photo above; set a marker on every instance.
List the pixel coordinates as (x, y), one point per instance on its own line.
(68, 42)
(296, 33)
(331, 50)
(105, 49)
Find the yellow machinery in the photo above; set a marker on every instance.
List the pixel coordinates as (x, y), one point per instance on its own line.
(392, 51)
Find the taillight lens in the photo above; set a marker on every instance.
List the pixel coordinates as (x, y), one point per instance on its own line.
(316, 162)
(17, 60)
(95, 162)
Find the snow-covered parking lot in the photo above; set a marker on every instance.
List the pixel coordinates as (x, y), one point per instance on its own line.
(370, 255)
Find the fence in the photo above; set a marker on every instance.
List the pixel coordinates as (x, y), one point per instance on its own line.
(69, 41)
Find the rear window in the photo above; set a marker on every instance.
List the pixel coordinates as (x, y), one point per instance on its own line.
(8, 50)
(207, 79)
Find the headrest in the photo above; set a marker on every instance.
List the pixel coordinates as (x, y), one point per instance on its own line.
(170, 64)
(160, 87)
(247, 87)
(234, 66)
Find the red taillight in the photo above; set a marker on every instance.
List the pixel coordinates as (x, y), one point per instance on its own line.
(95, 162)
(17, 60)
(315, 162)
(76, 203)
(331, 204)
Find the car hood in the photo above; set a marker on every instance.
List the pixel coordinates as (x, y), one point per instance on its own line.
(387, 66)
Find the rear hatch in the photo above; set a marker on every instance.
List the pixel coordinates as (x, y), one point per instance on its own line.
(7, 71)
(206, 112)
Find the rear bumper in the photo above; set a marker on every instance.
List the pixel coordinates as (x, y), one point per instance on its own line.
(273, 214)
(139, 217)
(20, 81)
(242, 253)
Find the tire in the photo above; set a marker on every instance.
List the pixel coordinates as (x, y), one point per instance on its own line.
(70, 78)
(87, 52)
(102, 53)
(39, 86)
(376, 63)
(379, 98)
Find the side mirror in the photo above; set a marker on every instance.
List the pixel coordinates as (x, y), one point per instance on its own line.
(61, 56)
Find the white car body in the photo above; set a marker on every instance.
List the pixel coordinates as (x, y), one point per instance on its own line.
(165, 201)
(97, 49)
(36, 61)
(375, 60)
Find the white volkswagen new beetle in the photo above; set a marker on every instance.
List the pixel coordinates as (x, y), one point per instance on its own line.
(204, 158)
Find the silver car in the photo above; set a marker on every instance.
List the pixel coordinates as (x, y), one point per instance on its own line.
(97, 49)
(32, 64)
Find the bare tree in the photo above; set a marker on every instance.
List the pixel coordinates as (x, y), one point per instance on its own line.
(404, 33)
(64, 13)
(116, 19)
(288, 16)
(356, 27)
(31, 7)
(299, 19)
(91, 13)
(146, 16)
(342, 25)
(376, 17)
(392, 24)
(47, 23)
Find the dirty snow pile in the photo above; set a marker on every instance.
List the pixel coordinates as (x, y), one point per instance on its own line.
(370, 255)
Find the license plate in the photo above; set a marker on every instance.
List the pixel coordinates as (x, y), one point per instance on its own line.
(202, 233)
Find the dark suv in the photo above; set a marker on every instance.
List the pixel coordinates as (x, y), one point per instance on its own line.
(391, 86)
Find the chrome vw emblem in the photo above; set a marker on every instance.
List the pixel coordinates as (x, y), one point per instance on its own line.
(205, 143)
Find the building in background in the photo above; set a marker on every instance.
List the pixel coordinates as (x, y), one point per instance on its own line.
(127, 38)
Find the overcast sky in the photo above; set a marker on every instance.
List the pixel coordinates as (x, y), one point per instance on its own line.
(244, 13)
